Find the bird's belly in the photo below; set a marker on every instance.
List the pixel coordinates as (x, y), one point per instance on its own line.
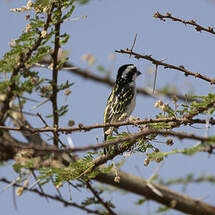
(131, 107)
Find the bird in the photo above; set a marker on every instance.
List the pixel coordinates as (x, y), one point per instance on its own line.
(122, 100)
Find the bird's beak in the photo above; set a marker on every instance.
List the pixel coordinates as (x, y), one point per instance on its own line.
(138, 73)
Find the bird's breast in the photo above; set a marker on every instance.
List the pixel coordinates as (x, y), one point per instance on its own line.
(132, 105)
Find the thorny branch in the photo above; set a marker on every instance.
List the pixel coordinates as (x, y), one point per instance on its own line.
(106, 80)
(127, 182)
(56, 198)
(191, 22)
(23, 58)
(81, 127)
(142, 134)
(174, 122)
(95, 193)
(133, 184)
(41, 150)
(140, 186)
(55, 75)
(166, 65)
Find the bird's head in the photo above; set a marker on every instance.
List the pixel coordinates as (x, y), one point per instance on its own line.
(127, 74)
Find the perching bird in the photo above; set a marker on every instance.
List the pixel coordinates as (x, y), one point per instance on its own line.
(122, 99)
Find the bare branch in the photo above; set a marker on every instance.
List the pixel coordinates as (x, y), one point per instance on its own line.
(55, 69)
(191, 22)
(140, 186)
(41, 118)
(132, 47)
(106, 80)
(143, 134)
(12, 148)
(169, 198)
(178, 120)
(56, 198)
(95, 193)
(166, 65)
(22, 122)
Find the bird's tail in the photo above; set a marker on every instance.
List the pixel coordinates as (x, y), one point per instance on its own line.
(106, 148)
(109, 148)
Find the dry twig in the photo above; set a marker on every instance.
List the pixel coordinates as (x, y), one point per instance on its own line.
(56, 198)
(191, 22)
(166, 65)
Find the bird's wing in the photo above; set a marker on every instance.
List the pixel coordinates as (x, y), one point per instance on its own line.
(117, 105)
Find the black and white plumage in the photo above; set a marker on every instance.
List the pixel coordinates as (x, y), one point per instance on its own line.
(122, 100)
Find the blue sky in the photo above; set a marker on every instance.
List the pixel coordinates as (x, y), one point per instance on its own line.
(111, 25)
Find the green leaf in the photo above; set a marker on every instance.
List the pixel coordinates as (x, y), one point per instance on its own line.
(162, 209)
(141, 201)
(68, 14)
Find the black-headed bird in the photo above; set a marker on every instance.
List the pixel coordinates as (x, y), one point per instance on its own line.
(122, 100)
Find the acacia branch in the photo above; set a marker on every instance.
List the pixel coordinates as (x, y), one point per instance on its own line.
(141, 186)
(56, 198)
(191, 22)
(42, 150)
(176, 120)
(166, 65)
(95, 193)
(197, 111)
(188, 118)
(131, 140)
(107, 81)
(23, 58)
(20, 121)
(12, 147)
(55, 75)
(168, 197)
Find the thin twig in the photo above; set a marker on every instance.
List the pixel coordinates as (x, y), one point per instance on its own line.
(55, 57)
(95, 193)
(41, 150)
(107, 81)
(191, 22)
(23, 58)
(81, 127)
(41, 118)
(58, 191)
(166, 65)
(132, 47)
(41, 103)
(40, 187)
(56, 198)
(142, 134)
(156, 72)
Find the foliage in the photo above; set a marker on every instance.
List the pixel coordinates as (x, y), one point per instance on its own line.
(19, 66)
